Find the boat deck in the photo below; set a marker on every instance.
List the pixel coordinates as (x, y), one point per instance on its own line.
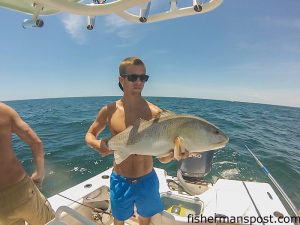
(231, 198)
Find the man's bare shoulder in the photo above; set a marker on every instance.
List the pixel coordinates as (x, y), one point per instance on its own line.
(4, 107)
(109, 109)
(6, 115)
(118, 103)
(113, 106)
(6, 110)
(154, 109)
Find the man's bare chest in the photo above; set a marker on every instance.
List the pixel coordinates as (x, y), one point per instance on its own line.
(120, 120)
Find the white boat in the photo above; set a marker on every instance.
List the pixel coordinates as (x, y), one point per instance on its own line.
(225, 201)
(185, 200)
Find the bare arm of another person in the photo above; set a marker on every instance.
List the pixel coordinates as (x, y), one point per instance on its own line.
(95, 129)
(26, 134)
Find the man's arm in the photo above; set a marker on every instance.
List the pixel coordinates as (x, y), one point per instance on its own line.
(95, 129)
(26, 134)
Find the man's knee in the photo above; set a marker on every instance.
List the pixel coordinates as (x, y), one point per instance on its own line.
(144, 220)
(117, 222)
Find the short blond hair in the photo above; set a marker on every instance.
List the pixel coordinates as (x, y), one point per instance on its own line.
(130, 61)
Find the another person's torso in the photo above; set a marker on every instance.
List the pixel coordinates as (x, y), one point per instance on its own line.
(119, 118)
(11, 170)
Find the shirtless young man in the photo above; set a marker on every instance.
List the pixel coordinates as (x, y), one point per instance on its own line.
(20, 199)
(133, 181)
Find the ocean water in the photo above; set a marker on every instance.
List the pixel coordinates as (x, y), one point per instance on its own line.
(272, 132)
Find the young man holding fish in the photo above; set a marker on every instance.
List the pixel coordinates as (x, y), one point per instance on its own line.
(20, 199)
(133, 181)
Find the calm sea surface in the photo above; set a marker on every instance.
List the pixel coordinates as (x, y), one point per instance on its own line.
(272, 132)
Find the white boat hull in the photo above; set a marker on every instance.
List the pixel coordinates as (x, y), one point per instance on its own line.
(229, 198)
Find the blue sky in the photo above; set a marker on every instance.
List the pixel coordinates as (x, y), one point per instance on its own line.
(242, 51)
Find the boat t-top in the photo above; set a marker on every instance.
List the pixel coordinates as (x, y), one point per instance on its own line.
(39, 8)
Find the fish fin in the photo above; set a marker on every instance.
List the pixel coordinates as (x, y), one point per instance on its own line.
(137, 123)
(163, 114)
(163, 155)
(120, 156)
(166, 113)
(177, 147)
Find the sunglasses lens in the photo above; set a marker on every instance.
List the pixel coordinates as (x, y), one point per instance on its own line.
(134, 77)
(144, 78)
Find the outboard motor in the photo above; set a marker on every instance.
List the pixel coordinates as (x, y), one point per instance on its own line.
(192, 170)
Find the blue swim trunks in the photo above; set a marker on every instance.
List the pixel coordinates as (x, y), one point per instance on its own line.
(141, 192)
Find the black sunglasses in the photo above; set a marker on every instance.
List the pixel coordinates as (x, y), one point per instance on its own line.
(134, 77)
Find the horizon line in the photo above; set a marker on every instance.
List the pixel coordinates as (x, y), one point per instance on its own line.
(226, 100)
